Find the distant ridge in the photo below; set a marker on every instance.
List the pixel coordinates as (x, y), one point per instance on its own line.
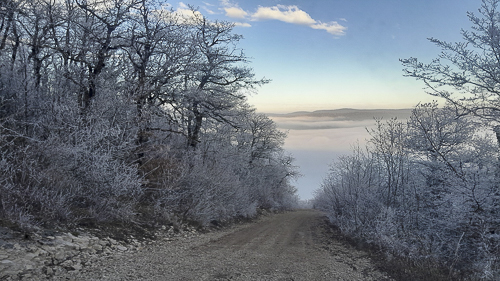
(345, 114)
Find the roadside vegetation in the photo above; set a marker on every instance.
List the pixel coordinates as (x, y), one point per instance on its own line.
(425, 191)
(125, 111)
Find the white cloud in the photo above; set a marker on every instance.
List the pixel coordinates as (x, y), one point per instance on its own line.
(289, 14)
(242, 24)
(227, 3)
(208, 7)
(292, 14)
(333, 27)
(185, 12)
(235, 12)
(210, 12)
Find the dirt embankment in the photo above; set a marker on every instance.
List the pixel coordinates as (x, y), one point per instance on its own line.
(290, 246)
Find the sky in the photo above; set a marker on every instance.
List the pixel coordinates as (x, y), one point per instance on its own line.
(325, 54)
(330, 54)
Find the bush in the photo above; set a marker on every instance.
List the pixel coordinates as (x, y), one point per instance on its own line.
(428, 202)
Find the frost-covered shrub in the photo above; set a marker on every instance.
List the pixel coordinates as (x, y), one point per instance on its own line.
(211, 193)
(424, 191)
(130, 118)
(82, 173)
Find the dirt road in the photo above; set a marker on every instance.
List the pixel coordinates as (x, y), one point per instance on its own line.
(291, 246)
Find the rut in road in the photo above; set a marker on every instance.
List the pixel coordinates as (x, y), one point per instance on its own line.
(286, 237)
(288, 233)
(290, 246)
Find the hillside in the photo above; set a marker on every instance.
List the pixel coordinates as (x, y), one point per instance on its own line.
(336, 118)
(349, 114)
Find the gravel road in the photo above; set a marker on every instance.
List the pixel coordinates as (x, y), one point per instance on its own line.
(290, 246)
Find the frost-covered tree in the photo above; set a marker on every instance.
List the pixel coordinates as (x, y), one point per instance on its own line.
(114, 109)
(422, 189)
(219, 78)
(466, 73)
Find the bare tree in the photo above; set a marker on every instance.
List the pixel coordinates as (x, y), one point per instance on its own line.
(218, 80)
(92, 34)
(466, 73)
(388, 140)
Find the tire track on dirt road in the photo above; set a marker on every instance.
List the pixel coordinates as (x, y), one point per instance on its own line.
(288, 246)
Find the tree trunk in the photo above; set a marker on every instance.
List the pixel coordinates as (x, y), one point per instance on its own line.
(495, 208)
(195, 128)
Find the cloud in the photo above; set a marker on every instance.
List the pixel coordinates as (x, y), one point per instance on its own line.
(333, 27)
(235, 12)
(285, 13)
(335, 139)
(185, 12)
(289, 14)
(317, 123)
(242, 24)
(210, 12)
(292, 14)
(227, 3)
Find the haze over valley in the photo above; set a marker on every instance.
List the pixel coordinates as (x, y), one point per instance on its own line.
(317, 138)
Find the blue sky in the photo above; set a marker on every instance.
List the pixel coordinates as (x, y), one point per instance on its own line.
(330, 54)
(327, 54)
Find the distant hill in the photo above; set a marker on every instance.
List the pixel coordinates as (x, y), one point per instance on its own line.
(336, 118)
(349, 114)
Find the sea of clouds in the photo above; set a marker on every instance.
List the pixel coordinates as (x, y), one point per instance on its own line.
(317, 139)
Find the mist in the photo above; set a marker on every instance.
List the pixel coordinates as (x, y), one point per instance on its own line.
(317, 139)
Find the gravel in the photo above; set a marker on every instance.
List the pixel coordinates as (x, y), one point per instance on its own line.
(289, 246)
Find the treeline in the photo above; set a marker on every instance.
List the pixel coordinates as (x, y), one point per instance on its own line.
(426, 191)
(125, 110)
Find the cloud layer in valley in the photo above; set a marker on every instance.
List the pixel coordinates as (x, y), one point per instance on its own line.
(316, 139)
